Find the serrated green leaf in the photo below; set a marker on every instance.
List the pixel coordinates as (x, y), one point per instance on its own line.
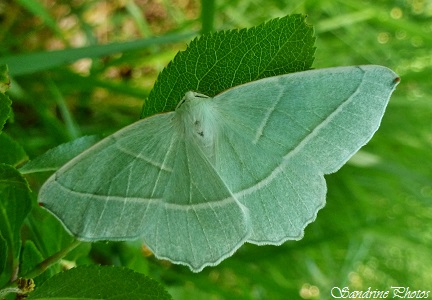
(100, 282)
(11, 152)
(15, 204)
(58, 156)
(215, 62)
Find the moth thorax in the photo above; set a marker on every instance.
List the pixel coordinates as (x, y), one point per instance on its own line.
(197, 116)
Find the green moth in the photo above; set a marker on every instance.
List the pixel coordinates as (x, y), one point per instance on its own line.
(247, 165)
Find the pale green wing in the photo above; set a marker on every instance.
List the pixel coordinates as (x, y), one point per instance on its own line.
(283, 133)
(147, 180)
(245, 165)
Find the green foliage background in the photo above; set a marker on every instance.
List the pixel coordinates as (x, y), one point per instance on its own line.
(375, 230)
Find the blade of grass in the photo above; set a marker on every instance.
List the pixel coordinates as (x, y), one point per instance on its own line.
(345, 20)
(90, 82)
(383, 19)
(207, 15)
(22, 64)
(137, 16)
(37, 9)
(71, 126)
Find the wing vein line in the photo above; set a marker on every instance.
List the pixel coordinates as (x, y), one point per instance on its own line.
(314, 133)
(142, 157)
(266, 118)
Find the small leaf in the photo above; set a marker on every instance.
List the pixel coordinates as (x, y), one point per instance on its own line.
(58, 156)
(98, 282)
(5, 109)
(15, 204)
(4, 79)
(5, 102)
(216, 62)
(11, 152)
